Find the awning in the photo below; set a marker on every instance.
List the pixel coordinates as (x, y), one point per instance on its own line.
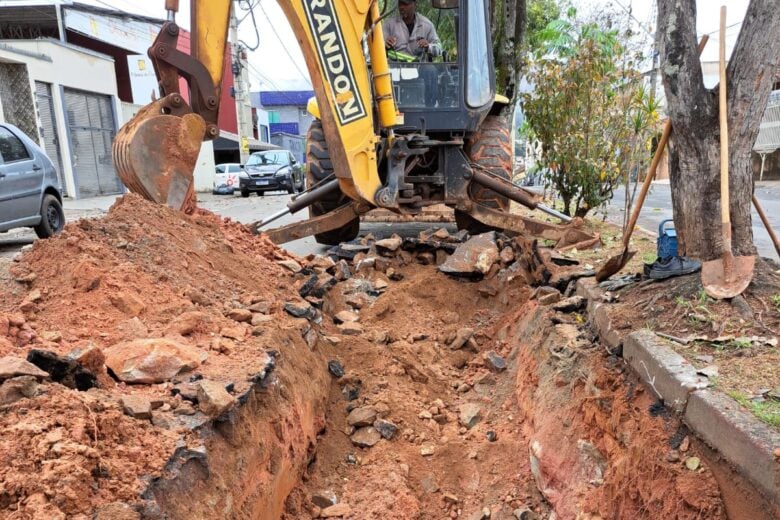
(229, 141)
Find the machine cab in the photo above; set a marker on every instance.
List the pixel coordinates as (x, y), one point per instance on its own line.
(450, 87)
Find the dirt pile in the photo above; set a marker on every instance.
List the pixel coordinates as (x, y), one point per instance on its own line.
(191, 306)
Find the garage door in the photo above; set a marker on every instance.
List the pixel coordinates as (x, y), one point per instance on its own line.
(48, 128)
(91, 130)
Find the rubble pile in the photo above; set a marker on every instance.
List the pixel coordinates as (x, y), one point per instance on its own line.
(124, 336)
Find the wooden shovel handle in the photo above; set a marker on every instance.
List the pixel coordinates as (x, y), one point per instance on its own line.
(725, 217)
(659, 153)
(767, 225)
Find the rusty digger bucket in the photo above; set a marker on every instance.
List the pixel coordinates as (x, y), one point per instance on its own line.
(155, 155)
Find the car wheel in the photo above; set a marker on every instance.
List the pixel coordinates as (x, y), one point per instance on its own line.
(245, 193)
(261, 194)
(52, 217)
(291, 190)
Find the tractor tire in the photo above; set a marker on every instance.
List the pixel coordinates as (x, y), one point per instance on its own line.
(491, 148)
(320, 167)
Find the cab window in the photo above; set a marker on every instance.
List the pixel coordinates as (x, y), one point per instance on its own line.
(478, 72)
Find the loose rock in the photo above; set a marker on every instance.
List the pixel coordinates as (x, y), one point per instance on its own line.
(290, 265)
(240, 315)
(345, 317)
(63, 370)
(388, 246)
(137, 406)
(336, 510)
(128, 303)
(300, 310)
(462, 336)
(474, 257)
(350, 328)
(335, 368)
(13, 367)
(385, 428)
(470, 414)
(148, 361)
(17, 388)
(213, 399)
(571, 304)
(324, 499)
(366, 437)
(363, 416)
(495, 362)
(189, 322)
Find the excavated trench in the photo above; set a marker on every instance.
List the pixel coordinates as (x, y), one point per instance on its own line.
(374, 387)
(447, 398)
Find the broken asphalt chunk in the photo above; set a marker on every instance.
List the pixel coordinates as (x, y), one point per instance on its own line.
(335, 368)
(63, 370)
(300, 310)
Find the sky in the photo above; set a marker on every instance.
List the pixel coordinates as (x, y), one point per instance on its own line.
(278, 63)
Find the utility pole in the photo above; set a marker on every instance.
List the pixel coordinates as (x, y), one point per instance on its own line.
(240, 89)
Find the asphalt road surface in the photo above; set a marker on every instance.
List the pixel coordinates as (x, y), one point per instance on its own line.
(245, 210)
(658, 207)
(254, 208)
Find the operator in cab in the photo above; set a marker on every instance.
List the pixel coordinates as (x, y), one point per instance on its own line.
(410, 32)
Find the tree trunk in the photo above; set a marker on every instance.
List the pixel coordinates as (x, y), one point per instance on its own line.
(694, 146)
(507, 26)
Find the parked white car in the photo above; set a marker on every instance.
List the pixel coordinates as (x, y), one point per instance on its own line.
(226, 178)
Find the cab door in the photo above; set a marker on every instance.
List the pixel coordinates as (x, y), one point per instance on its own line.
(20, 180)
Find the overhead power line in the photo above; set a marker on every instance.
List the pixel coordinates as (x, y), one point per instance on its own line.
(289, 55)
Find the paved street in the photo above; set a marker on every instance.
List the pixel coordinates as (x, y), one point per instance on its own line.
(243, 210)
(658, 207)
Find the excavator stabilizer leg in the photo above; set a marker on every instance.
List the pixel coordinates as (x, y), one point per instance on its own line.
(566, 236)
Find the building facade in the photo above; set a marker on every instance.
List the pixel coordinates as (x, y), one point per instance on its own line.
(64, 98)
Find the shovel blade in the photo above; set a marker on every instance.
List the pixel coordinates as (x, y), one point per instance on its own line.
(720, 282)
(614, 264)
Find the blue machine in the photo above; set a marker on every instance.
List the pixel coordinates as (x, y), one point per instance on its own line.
(667, 240)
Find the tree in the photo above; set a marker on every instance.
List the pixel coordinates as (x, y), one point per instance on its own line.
(694, 148)
(588, 109)
(507, 25)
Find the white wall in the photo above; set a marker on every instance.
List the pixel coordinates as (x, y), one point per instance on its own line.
(64, 65)
(205, 169)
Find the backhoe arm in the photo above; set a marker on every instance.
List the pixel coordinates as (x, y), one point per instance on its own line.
(156, 151)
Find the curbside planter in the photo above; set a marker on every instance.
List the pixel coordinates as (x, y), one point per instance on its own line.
(742, 439)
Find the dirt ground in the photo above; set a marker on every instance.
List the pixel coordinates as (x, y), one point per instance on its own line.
(141, 272)
(433, 397)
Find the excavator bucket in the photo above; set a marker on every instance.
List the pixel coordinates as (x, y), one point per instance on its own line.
(155, 156)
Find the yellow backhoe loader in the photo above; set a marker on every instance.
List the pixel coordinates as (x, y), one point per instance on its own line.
(398, 135)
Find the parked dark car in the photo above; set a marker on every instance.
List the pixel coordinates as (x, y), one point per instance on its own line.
(272, 170)
(30, 193)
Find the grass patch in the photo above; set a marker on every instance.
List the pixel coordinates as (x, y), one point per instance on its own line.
(767, 411)
(649, 257)
(775, 299)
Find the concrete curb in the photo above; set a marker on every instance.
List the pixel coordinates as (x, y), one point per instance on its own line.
(744, 441)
